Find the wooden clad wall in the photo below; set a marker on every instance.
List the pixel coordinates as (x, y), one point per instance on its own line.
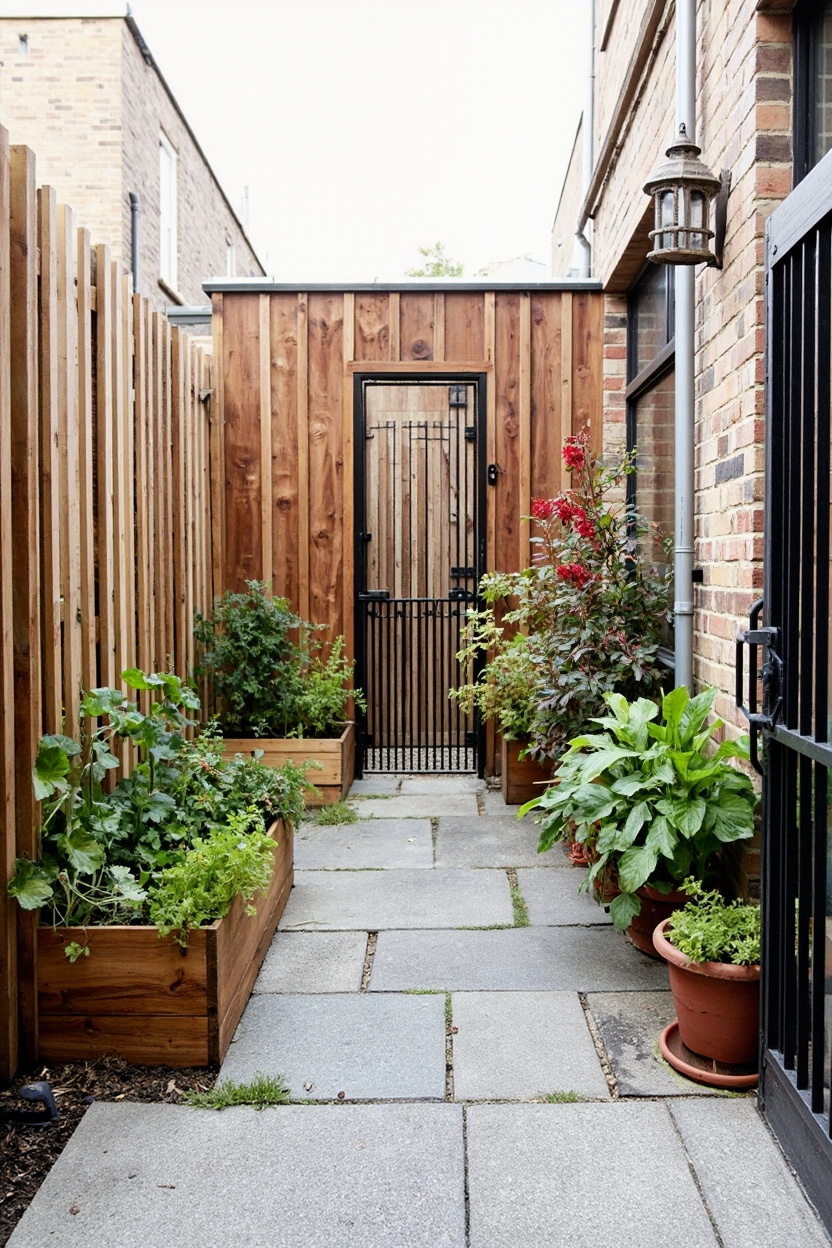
(105, 516)
(287, 360)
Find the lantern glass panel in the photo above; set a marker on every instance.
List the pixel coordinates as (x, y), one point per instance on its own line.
(668, 215)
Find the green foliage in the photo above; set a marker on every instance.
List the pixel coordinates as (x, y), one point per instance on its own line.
(270, 673)
(436, 263)
(261, 1091)
(102, 846)
(336, 813)
(562, 1098)
(519, 909)
(647, 798)
(504, 689)
(711, 929)
(201, 886)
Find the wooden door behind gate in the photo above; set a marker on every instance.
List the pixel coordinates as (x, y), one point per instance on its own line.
(419, 562)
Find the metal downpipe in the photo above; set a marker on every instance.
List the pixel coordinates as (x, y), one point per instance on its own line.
(134, 239)
(588, 155)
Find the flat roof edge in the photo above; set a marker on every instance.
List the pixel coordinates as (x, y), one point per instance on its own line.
(255, 285)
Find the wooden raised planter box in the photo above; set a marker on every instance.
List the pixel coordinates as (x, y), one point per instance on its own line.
(143, 998)
(335, 754)
(521, 779)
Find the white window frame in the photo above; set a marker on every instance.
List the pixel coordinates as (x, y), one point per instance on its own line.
(168, 215)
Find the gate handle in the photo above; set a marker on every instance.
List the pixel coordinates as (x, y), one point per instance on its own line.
(373, 595)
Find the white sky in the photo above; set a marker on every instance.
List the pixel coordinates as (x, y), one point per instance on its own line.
(367, 128)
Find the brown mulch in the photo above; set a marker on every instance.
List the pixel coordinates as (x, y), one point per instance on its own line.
(28, 1153)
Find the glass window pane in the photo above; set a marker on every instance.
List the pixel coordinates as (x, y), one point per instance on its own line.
(654, 440)
(649, 303)
(823, 87)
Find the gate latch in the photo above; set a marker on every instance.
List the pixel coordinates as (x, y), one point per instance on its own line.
(770, 675)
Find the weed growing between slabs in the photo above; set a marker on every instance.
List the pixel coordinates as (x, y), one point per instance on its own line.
(263, 1090)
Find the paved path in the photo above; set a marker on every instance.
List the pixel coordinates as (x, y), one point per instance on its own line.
(472, 1049)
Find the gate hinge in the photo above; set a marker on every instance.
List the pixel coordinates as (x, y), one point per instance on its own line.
(770, 676)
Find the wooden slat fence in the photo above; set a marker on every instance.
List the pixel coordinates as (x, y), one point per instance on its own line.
(105, 511)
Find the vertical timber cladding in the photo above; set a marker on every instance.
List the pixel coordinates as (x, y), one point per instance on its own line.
(286, 361)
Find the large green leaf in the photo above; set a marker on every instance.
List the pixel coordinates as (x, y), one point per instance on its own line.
(30, 884)
(624, 908)
(688, 815)
(50, 770)
(733, 818)
(673, 708)
(636, 820)
(694, 715)
(596, 764)
(661, 837)
(82, 850)
(636, 866)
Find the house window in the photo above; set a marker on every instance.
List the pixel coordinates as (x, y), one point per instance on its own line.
(812, 85)
(167, 212)
(650, 397)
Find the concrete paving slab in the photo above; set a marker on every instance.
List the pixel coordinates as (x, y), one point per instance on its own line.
(532, 959)
(313, 962)
(519, 1045)
(374, 786)
(368, 1048)
(491, 841)
(553, 899)
(298, 1176)
(750, 1190)
(371, 900)
(630, 1024)
(441, 786)
(371, 843)
(494, 804)
(419, 806)
(581, 1176)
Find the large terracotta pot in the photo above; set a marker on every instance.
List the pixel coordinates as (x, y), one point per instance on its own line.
(717, 1004)
(655, 907)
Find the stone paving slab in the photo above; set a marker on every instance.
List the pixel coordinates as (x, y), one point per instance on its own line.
(553, 899)
(419, 806)
(298, 1176)
(494, 804)
(492, 841)
(630, 1024)
(374, 786)
(313, 962)
(374, 843)
(440, 786)
(368, 1048)
(581, 1176)
(519, 1045)
(371, 900)
(749, 1188)
(532, 959)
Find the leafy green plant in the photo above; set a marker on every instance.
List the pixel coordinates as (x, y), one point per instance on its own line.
(201, 886)
(261, 1091)
(336, 813)
(649, 800)
(711, 929)
(270, 673)
(505, 687)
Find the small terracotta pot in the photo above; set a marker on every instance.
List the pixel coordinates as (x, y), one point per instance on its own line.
(717, 1004)
(655, 907)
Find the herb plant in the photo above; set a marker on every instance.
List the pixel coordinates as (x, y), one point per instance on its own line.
(647, 798)
(711, 929)
(505, 688)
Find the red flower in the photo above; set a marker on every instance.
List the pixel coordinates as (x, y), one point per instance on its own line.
(575, 573)
(574, 452)
(543, 508)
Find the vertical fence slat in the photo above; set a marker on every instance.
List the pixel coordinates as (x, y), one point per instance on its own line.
(68, 455)
(166, 491)
(23, 389)
(50, 473)
(144, 588)
(105, 527)
(86, 465)
(8, 908)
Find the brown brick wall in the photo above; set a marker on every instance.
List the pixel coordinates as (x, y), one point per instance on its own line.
(89, 105)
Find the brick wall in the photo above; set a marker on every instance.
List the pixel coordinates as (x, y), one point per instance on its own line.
(84, 98)
(744, 93)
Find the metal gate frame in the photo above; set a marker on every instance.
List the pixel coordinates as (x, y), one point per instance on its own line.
(790, 658)
(453, 376)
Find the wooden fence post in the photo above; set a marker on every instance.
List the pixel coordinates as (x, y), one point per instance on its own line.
(23, 388)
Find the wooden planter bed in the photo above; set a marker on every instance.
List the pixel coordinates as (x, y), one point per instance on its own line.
(335, 754)
(145, 999)
(521, 779)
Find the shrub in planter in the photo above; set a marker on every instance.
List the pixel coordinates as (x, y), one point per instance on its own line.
(646, 796)
(712, 947)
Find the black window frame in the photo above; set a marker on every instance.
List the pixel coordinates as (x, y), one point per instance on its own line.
(807, 25)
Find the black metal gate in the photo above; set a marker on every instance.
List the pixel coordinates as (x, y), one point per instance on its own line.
(420, 549)
(789, 658)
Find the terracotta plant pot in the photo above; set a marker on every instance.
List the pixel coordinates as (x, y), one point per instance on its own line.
(717, 1004)
(655, 907)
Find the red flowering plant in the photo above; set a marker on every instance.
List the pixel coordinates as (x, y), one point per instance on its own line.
(593, 604)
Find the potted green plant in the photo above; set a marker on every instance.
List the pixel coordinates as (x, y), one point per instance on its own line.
(159, 892)
(650, 801)
(502, 690)
(712, 948)
(279, 688)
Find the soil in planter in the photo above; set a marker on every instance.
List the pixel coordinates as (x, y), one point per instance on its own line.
(27, 1154)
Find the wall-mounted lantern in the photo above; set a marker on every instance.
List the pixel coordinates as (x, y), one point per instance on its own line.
(683, 189)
